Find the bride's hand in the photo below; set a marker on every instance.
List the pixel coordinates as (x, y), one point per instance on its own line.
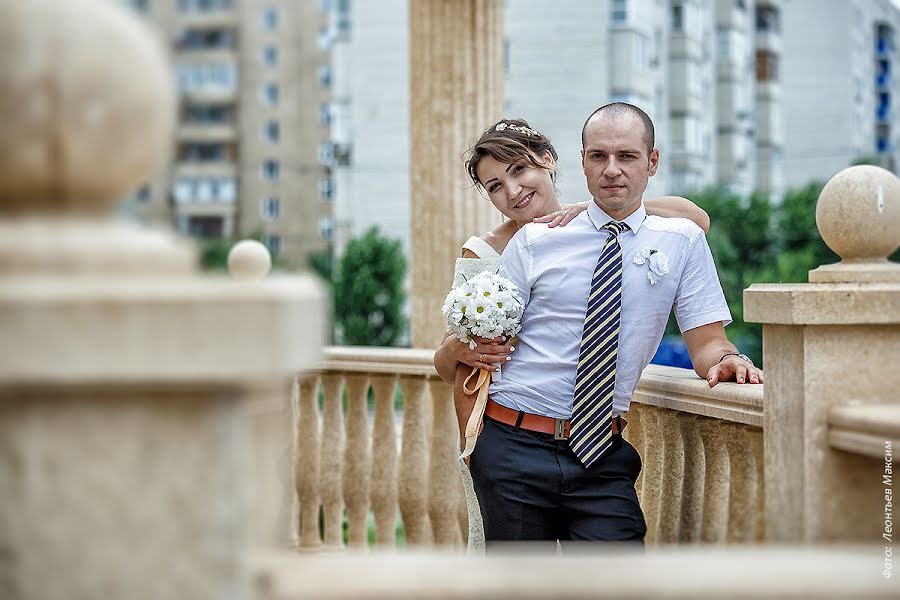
(487, 354)
(562, 217)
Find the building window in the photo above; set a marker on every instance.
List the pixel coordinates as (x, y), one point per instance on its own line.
(325, 113)
(767, 19)
(326, 189)
(225, 190)
(198, 39)
(271, 170)
(273, 242)
(270, 208)
(209, 114)
(140, 6)
(204, 5)
(326, 153)
(506, 57)
(677, 17)
(326, 228)
(741, 4)
(270, 56)
(270, 94)
(210, 77)
(343, 17)
(766, 66)
(142, 195)
(271, 131)
(270, 18)
(618, 12)
(325, 76)
(203, 152)
(324, 39)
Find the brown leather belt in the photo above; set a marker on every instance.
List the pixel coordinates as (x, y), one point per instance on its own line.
(558, 428)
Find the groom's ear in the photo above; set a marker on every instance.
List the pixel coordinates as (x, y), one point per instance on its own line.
(654, 161)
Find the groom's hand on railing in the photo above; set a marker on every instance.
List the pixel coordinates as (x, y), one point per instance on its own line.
(734, 368)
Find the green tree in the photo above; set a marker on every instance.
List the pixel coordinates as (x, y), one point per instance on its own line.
(368, 291)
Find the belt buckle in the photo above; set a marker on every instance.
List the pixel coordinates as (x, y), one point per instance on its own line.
(559, 429)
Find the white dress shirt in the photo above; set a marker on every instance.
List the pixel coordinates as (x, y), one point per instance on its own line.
(553, 267)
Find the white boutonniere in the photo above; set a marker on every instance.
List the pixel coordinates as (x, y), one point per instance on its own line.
(657, 263)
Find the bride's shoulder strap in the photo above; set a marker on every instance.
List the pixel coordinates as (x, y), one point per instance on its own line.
(480, 247)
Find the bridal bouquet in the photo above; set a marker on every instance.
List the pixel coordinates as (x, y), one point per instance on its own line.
(486, 306)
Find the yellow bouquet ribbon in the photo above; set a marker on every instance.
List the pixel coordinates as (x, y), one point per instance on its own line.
(473, 425)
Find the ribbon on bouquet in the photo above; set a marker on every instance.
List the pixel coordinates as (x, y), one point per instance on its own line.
(473, 425)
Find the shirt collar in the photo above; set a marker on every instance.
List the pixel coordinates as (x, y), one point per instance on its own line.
(599, 218)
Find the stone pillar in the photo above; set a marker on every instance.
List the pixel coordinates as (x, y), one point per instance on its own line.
(456, 91)
(830, 349)
(126, 378)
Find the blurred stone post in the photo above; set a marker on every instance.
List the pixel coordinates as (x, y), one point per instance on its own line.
(831, 349)
(456, 91)
(126, 443)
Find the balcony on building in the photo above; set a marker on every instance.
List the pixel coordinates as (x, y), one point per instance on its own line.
(207, 124)
(207, 14)
(208, 82)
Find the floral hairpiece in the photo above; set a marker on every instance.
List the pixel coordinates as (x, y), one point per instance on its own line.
(502, 126)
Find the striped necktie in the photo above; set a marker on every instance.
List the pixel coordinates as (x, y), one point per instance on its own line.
(591, 426)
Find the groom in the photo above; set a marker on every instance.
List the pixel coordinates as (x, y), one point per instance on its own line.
(551, 462)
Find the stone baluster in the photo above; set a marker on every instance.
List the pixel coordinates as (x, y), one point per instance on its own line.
(745, 484)
(126, 383)
(653, 465)
(331, 461)
(456, 90)
(828, 343)
(384, 461)
(413, 479)
(307, 470)
(672, 477)
(716, 491)
(444, 483)
(692, 493)
(356, 460)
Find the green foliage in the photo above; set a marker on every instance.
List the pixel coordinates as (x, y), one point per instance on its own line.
(756, 241)
(368, 291)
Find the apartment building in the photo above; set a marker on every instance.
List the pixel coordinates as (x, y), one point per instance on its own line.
(840, 87)
(251, 152)
(751, 95)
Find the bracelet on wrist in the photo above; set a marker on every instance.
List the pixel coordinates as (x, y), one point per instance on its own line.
(739, 355)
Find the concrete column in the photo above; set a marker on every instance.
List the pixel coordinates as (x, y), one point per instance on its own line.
(126, 436)
(456, 91)
(829, 346)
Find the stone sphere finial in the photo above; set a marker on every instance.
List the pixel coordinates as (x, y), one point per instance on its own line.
(858, 215)
(249, 260)
(88, 105)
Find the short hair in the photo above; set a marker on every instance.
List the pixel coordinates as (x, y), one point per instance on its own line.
(617, 109)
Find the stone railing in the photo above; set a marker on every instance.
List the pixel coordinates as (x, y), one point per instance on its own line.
(702, 452)
(702, 479)
(353, 457)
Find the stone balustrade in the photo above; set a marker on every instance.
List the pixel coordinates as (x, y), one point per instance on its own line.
(702, 452)
(351, 456)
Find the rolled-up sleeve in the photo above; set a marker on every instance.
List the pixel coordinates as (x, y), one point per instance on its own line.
(699, 300)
